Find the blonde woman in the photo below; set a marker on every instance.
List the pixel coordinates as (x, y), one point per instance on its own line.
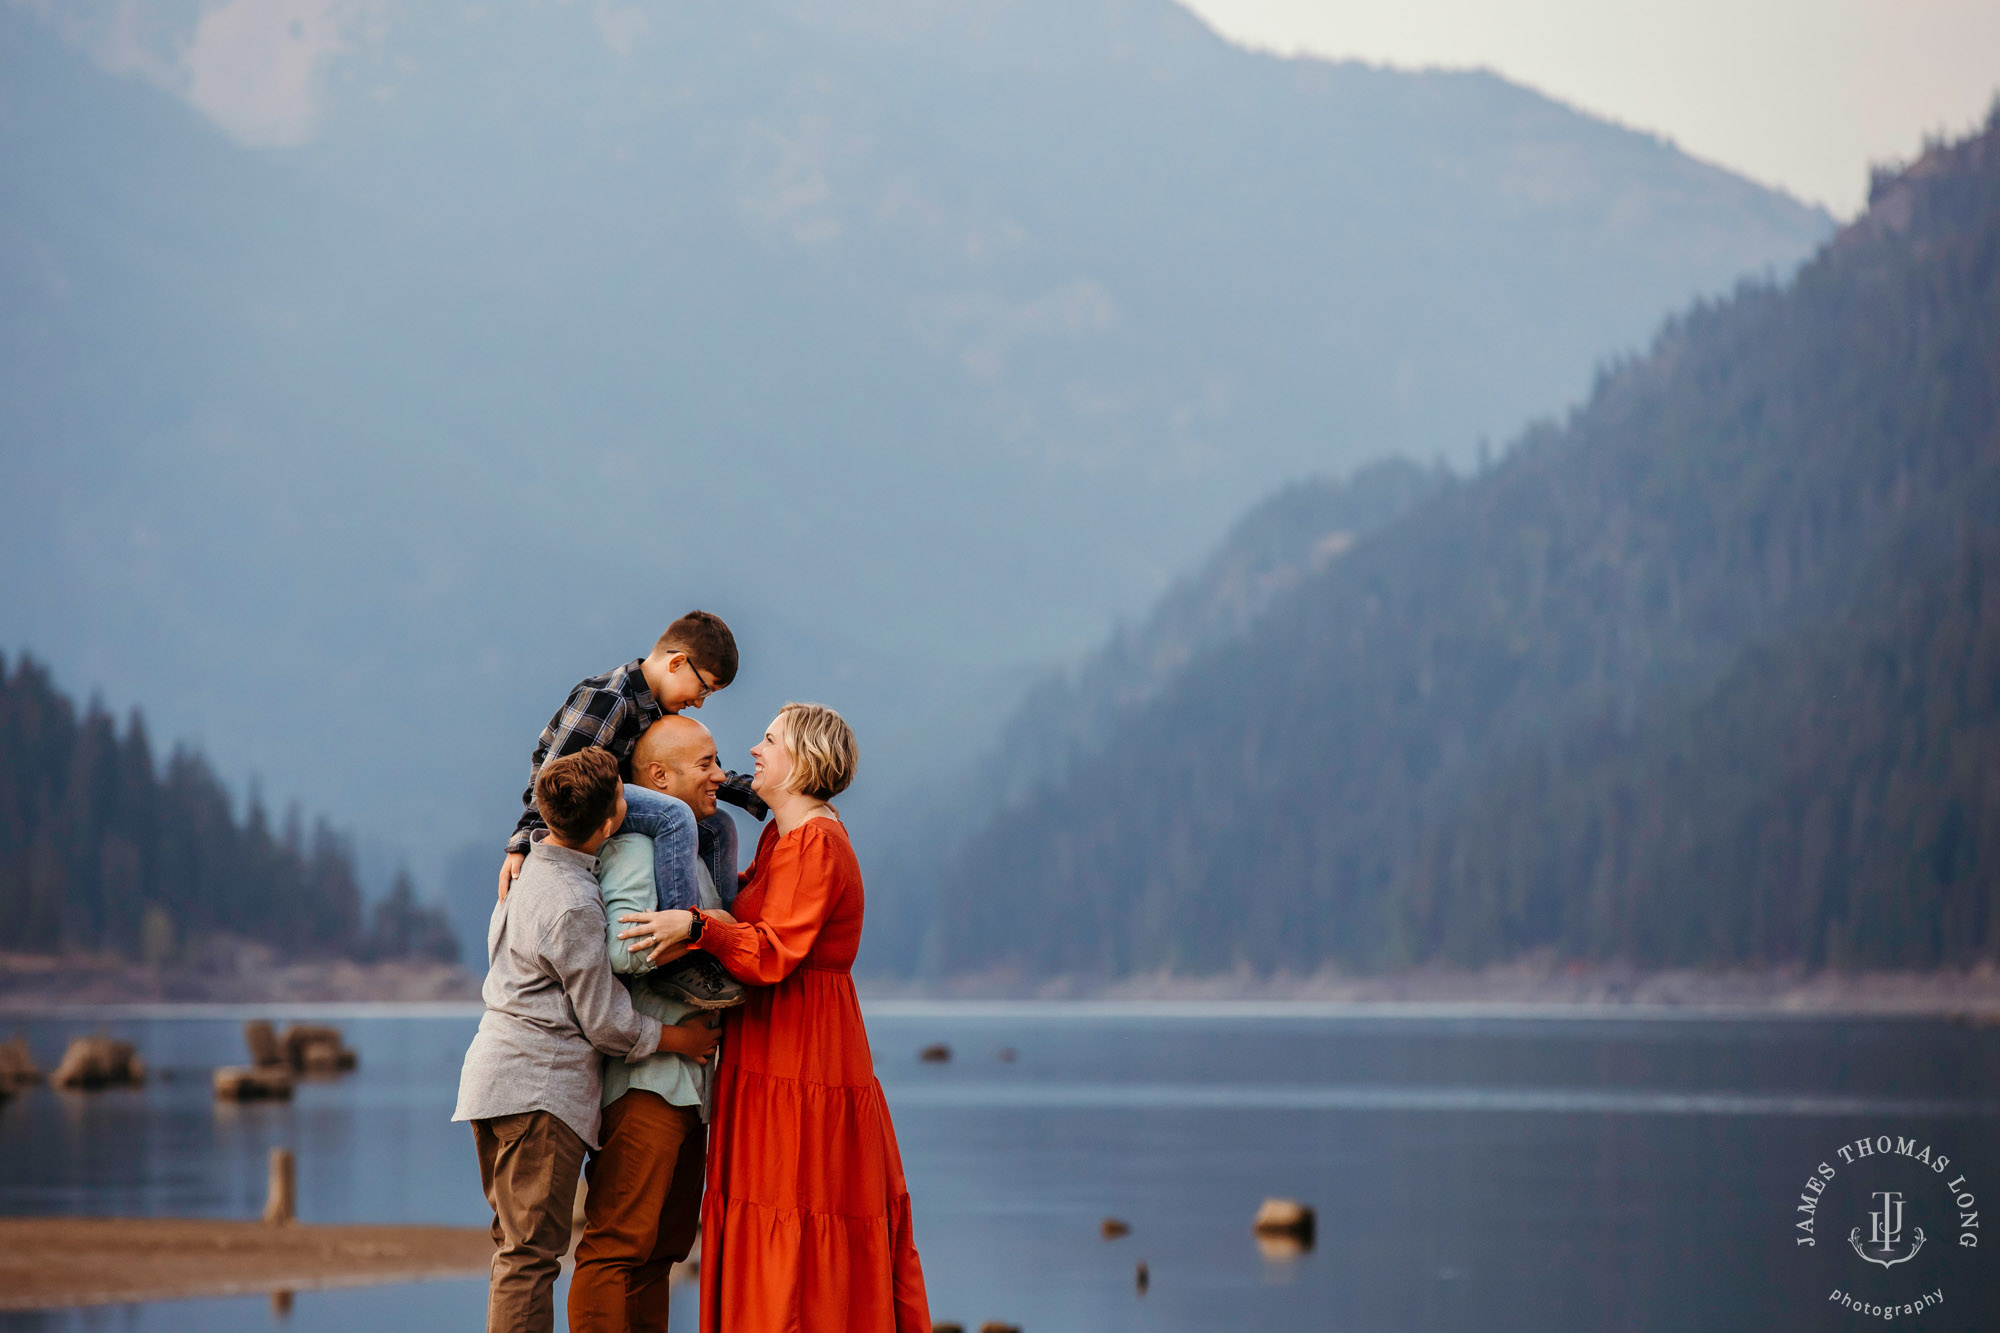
(806, 1224)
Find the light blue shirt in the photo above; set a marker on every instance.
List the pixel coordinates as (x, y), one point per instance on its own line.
(625, 877)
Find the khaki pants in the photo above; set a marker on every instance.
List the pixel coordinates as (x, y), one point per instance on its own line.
(528, 1165)
(640, 1214)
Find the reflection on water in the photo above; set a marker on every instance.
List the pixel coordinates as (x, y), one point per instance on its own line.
(1476, 1173)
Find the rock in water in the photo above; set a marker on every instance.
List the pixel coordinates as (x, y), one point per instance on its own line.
(17, 1066)
(99, 1062)
(935, 1055)
(1285, 1217)
(281, 1203)
(1114, 1227)
(239, 1083)
(262, 1042)
(315, 1049)
(1279, 1246)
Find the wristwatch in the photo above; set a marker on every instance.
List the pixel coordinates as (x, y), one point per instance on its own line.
(694, 929)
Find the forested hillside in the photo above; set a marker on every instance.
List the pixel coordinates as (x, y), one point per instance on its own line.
(103, 848)
(1704, 674)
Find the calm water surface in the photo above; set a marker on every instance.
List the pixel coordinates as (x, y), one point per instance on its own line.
(1612, 1172)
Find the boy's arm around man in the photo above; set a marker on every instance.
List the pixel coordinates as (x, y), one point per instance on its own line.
(603, 1006)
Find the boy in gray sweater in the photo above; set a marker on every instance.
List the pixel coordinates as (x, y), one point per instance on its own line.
(533, 1077)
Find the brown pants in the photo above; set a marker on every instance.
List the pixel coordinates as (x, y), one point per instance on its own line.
(528, 1165)
(639, 1216)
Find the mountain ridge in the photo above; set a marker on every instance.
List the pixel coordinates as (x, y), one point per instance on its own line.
(986, 332)
(1731, 488)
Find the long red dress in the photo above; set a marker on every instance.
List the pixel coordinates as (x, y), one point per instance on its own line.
(806, 1224)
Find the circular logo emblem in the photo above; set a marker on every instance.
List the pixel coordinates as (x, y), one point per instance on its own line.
(1887, 1218)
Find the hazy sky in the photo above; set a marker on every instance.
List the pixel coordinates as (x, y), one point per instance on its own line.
(1802, 94)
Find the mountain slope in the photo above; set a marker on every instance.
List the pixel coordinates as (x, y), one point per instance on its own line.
(1401, 764)
(1834, 799)
(1068, 716)
(920, 340)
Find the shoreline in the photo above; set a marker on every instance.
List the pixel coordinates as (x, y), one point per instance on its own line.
(69, 1262)
(244, 974)
(1536, 985)
(262, 988)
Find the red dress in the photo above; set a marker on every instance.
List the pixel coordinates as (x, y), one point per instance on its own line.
(806, 1224)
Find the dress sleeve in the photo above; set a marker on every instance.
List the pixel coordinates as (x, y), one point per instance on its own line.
(798, 898)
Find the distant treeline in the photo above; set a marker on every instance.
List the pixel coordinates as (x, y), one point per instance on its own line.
(1706, 675)
(103, 848)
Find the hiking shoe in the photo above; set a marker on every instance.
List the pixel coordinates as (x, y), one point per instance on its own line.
(697, 979)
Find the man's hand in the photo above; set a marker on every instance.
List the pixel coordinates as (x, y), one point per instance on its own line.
(694, 1037)
(658, 932)
(508, 870)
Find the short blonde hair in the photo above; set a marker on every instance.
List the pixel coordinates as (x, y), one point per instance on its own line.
(822, 750)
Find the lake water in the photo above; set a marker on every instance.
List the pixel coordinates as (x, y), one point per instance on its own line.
(1611, 1171)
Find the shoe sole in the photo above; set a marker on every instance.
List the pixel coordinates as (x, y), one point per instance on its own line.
(698, 1002)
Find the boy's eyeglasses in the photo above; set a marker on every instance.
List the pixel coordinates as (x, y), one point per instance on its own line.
(706, 688)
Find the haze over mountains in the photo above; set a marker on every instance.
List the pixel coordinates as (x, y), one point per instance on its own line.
(349, 423)
(1708, 674)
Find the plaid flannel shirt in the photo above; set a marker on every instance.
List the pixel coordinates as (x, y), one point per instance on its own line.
(611, 712)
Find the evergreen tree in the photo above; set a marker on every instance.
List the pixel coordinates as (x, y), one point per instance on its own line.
(101, 849)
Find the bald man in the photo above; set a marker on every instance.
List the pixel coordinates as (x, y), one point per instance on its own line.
(644, 1200)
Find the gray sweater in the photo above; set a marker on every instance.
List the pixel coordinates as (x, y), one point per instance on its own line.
(552, 1003)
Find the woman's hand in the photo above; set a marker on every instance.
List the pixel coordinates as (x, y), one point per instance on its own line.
(658, 932)
(694, 1037)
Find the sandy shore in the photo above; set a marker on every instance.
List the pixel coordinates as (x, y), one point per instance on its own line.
(47, 1262)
